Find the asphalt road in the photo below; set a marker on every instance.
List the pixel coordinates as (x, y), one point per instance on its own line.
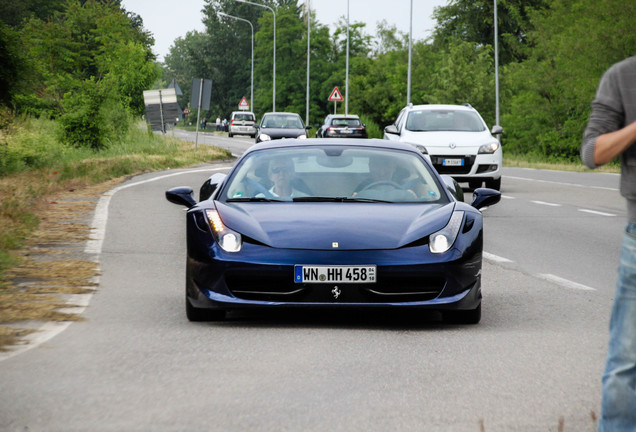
(534, 361)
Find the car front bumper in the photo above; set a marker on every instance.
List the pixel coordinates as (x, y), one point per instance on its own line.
(265, 278)
(480, 166)
(242, 130)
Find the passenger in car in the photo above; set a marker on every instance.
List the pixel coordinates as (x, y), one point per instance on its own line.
(281, 173)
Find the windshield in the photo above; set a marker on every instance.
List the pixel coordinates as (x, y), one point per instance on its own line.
(282, 121)
(444, 120)
(243, 117)
(346, 122)
(328, 173)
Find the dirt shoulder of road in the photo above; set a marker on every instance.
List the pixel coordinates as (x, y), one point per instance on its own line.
(53, 268)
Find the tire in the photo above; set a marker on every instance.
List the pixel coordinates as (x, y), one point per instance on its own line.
(494, 184)
(198, 315)
(230, 135)
(472, 316)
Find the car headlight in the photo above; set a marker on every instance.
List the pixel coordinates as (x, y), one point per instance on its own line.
(489, 148)
(264, 137)
(302, 136)
(230, 241)
(442, 240)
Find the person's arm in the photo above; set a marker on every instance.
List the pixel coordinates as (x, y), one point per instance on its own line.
(612, 144)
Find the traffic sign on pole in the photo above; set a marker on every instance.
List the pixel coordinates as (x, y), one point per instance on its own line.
(243, 104)
(336, 95)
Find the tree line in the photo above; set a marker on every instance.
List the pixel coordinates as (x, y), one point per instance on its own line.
(85, 63)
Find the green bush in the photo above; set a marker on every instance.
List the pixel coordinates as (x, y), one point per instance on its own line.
(94, 117)
(81, 125)
(373, 130)
(31, 148)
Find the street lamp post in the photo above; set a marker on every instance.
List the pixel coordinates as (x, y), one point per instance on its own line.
(274, 67)
(496, 70)
(408, 77)
(308, 14)
(347, 68)
(252, 72)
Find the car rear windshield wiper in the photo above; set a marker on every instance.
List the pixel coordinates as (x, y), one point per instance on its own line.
(337, 199)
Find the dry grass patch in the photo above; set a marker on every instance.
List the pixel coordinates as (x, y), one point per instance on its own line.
(66, 276)
(12, 336)
(50, 265)
(44, 224)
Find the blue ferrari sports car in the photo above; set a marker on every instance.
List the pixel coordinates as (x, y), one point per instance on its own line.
(333, 223)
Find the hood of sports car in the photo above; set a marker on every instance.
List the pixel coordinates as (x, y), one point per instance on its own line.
(329, 226)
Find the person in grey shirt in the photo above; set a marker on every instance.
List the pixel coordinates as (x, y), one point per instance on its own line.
(611, 133)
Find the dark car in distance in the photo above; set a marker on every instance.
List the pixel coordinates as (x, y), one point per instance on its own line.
(342, 126)
(281, 125)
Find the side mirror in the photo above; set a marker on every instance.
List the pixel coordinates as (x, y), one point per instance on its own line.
(484, 197)
(391, 129)
(454, 187)
(210, 186)
(183, 195)
(496, 130)
(308, 127)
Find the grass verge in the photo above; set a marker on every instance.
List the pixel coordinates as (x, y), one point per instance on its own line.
(47, 196)
(520, 162)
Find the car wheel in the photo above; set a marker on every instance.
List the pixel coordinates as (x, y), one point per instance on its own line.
(230, 135)
(472, 316)
(494, 184)
(197, 314)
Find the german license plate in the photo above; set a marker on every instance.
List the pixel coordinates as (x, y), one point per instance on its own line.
(334, 274)
(453, 162)
(346, 131)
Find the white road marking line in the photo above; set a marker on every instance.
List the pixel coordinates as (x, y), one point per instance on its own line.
(508, 197)
(98, 227)
(546, 203)
(564, 282)
(495, 258)
(563, 183)
(596, 212)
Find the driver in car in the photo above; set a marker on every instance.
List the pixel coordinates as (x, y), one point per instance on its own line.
(384, 179)
(381, 176)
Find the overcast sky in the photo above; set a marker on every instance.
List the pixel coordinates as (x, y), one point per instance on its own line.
(170, 19)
